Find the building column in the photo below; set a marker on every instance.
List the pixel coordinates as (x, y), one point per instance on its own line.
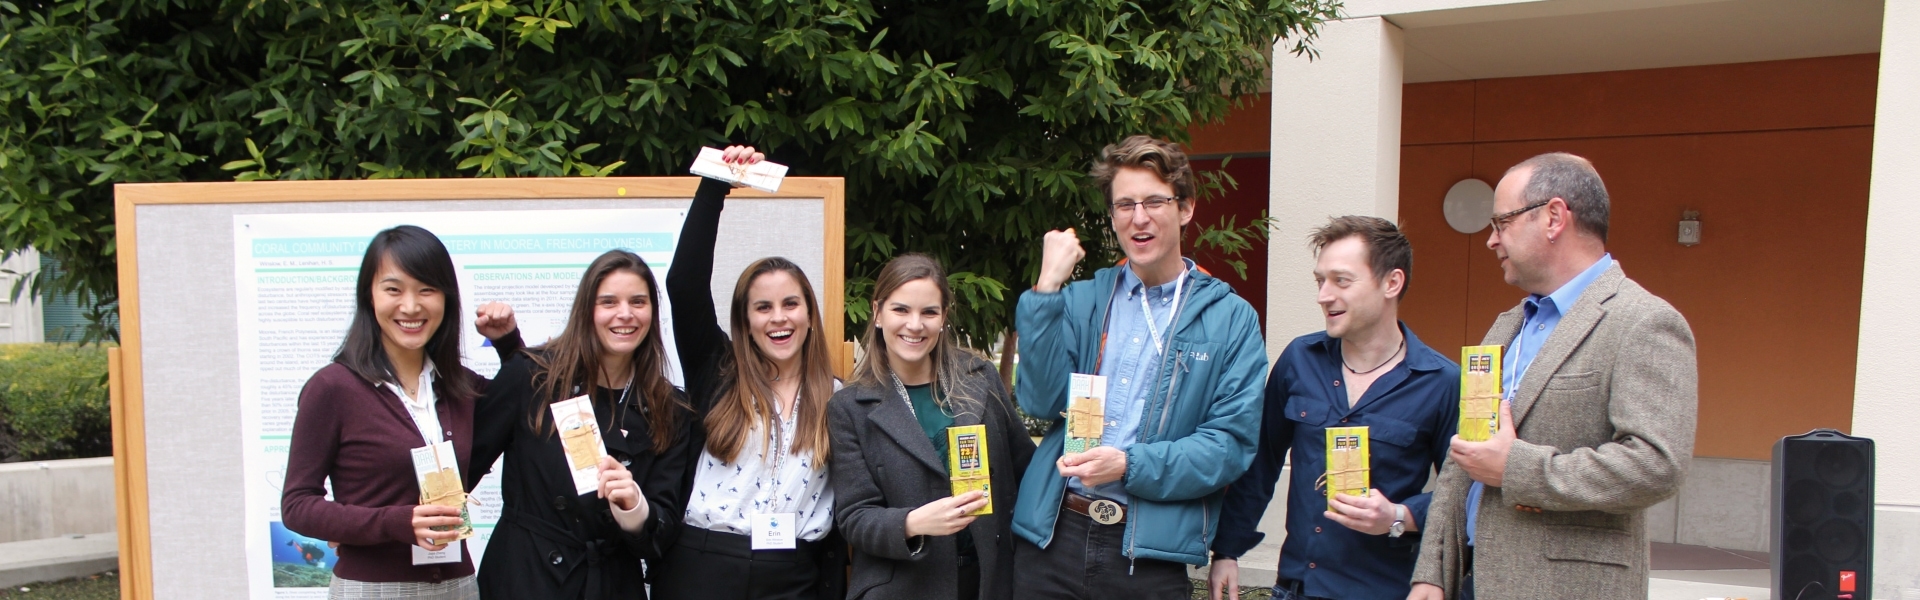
(1336, 151)
(1886, 405)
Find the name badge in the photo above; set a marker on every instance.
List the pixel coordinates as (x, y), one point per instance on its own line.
(773, 531)
(449, 554)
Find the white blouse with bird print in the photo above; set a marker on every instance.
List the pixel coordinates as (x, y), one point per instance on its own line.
(726, 495)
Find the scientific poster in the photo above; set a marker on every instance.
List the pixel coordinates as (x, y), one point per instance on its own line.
(295, 277)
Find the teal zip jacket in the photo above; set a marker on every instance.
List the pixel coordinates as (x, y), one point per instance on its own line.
(1198, 433)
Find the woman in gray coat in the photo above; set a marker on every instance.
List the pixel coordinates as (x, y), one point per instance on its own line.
(893, 498)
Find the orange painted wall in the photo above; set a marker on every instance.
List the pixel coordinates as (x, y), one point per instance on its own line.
(1774, 155)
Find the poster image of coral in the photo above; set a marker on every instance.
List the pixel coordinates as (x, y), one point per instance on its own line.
(300, 561)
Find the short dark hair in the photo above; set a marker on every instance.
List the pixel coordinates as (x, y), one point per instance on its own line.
(1570, 178)
(1387, 248)
(419, 254)
(1164, 159)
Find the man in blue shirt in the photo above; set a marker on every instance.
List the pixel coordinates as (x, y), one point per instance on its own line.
(1182, 358)
(1366, 369)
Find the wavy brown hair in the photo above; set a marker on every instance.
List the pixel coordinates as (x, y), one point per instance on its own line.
(748, 399)
(571, 361)
(950, 390)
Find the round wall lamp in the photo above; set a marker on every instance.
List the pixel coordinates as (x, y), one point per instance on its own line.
(1469, 204)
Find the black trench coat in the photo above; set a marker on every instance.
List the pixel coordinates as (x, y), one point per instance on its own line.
(552, 542)
(883, 467)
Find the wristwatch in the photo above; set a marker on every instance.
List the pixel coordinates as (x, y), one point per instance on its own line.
(1399, 525)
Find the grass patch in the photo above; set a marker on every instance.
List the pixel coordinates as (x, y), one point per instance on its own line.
(99, 586)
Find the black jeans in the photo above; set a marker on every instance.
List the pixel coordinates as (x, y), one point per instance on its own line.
(1086, 561)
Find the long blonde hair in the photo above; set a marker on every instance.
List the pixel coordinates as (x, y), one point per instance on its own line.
(748, 400)
(954, 393)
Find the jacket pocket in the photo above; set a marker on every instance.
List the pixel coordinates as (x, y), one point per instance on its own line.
(1574, 381)
(867, 576)
(1589, 544)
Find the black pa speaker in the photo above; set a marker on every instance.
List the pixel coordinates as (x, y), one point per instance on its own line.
(1822, 517)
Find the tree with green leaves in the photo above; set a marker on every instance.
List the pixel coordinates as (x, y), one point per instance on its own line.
(964, 128)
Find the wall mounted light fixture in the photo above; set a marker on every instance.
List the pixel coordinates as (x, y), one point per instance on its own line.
(1468, 205)
(1689, 228)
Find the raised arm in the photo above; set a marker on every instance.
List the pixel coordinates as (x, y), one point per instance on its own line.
(497, 414)
(697, 334)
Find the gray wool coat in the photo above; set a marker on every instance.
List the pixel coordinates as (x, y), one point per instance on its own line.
(883, 467)
(1605, 420)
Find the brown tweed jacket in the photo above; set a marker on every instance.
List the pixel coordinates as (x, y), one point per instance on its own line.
(1605, 420)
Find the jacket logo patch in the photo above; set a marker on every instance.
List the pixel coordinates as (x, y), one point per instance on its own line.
(1197, 355)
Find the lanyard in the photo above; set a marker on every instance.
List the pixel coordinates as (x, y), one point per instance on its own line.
(901, 389)
(1146, 310)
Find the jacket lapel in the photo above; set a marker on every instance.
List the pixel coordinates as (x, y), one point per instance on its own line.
(1567, 336)
(895, 419)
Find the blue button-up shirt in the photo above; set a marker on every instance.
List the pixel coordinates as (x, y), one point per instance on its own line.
(1542, 317)
(1131, 364)
(1411, 413)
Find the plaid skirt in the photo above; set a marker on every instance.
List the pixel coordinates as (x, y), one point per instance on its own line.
(463, 588)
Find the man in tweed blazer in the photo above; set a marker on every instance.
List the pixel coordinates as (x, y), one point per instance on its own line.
(1601, 387)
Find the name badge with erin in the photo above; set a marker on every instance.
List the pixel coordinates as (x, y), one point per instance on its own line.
(773, 531)
(580, 439)
(437, 469)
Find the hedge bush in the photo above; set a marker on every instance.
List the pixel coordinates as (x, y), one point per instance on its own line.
(53, 401)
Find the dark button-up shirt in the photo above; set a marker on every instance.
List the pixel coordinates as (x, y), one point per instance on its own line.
(1411, 412)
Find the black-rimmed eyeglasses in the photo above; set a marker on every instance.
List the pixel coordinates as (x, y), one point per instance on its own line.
(1152, 203)
(1502, 220)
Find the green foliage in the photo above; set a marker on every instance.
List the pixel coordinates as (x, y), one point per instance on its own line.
(964, 127)
(54, 399)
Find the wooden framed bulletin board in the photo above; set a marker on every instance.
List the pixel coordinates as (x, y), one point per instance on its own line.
(227, 290)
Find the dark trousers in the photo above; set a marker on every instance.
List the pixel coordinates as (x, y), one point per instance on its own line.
(1466, 577)
(1086, 561)
(716, 565)
(969, 577)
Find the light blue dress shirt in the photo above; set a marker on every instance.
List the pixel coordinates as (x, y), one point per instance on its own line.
(1542, 316)
(1131, 365)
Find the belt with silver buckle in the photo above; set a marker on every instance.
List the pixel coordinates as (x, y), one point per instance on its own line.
(1101, 510)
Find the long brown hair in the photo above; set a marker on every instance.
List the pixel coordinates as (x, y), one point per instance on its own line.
(954, 393)
(748, 400)
(571, 361)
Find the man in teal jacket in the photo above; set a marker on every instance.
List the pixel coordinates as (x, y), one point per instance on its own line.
(1182, 363)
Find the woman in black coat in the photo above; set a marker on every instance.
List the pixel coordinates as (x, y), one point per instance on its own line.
(552, 541)
(911, 537)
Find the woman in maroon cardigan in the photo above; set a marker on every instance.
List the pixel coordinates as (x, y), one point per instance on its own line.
(396, 384)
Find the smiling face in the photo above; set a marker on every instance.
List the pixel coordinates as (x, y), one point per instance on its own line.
(777, 316)
(910, 320)
(1353, 299)
(409, 312)
(622, 313)
(1150, 237)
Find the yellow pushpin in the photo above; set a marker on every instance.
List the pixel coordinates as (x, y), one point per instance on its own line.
(620, 191)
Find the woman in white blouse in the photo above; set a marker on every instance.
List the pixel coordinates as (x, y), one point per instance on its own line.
(759, 512)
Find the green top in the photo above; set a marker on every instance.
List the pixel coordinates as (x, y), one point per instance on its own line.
(933, 420)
